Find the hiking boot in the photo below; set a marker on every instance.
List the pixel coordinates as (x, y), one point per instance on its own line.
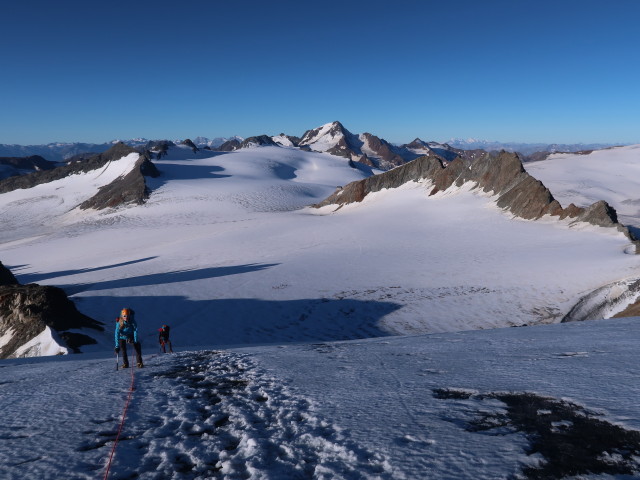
(140, 365)
(125, 365)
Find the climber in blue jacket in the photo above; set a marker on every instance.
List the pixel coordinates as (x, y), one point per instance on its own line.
(127, 332)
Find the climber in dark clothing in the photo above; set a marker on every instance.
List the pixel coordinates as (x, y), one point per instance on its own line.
(163, 339)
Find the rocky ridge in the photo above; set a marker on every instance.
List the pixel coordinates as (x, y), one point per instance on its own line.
(129, 189)
(36, 178)
(27, 310)
(12, 166)
(370, 150)
(189, 143)
(132, 188)
(6, 277)
(257, 141)
(501, 174)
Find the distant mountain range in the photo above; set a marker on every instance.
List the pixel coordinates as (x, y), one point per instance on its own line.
(525, 148)
(333, 138)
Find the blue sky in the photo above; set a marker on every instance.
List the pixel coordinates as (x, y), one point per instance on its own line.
(517, 70)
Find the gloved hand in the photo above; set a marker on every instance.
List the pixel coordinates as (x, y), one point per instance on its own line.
(129, 340)
(117, 349)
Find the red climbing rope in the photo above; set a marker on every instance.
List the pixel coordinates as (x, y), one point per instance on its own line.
(124, 415)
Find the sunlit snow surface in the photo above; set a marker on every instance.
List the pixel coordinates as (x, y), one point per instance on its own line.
(224, 252)
(612, 175)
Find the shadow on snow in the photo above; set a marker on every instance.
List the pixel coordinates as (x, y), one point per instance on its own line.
(183, 171)
(246, 321)
(176, 276)
(37, 277)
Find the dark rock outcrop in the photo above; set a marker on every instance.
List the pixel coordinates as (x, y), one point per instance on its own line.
(80, 157)
(418, 148)
(260, 140)
(6, 277)
(600, 213)
(159, 148)
(189, 143)
(424, 167)
(26, 310)
(501, 174)
(229, 146)
(131, 188)
(544, 155)
(22, 165)
(386, 152)
(516, 190)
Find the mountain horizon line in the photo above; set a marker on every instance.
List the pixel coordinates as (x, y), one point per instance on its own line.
(202, 140)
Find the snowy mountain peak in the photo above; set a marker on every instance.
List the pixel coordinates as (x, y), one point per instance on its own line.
(417, 143)
(328, 134)
(368, 149)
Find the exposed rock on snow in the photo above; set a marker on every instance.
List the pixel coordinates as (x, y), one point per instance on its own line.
(189, 143)
(517, 191)
(6, 277)
(116, 152)
(501, 174)
(386, 154)
(159, 147)
(286, 140)
(27, 310)
(229, 145)
(131, 188)
(369, 149)
(607, 301)
(424, 167)
(12, 166)
(366, 149)
(419, 148)
(256, 141)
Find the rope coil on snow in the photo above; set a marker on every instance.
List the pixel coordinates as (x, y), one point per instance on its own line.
(124, 415)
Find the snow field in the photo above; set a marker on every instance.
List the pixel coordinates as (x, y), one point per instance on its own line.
(224, 254)
(612, 175)
(42, 207)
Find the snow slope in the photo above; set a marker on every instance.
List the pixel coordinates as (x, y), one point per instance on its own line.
(47, 207)
(396, 408)
(612, 175)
